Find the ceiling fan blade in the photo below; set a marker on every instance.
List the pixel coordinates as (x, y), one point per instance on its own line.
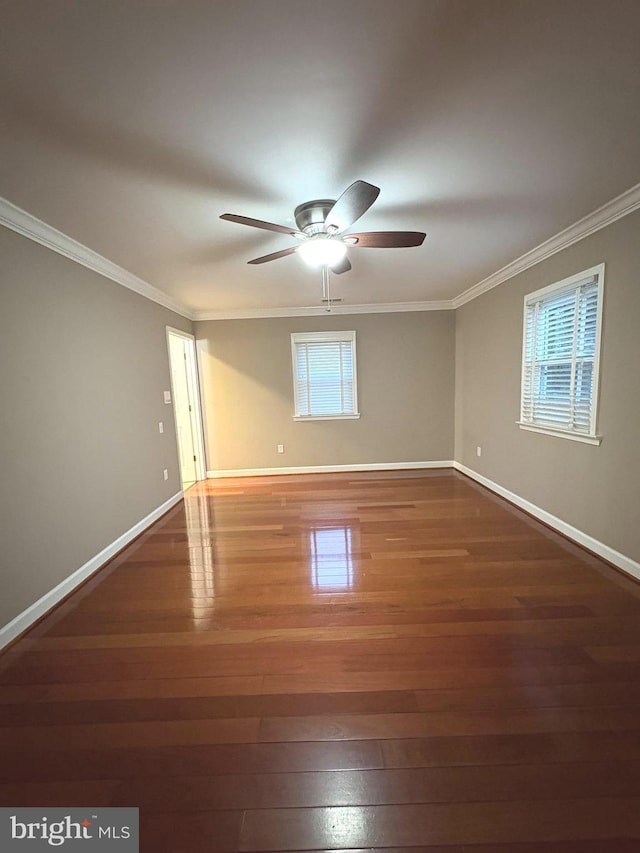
(259, 223)
(385, 239)
(340, 266)
(353, 202)
(273, 256)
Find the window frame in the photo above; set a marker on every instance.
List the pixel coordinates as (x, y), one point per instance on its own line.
(324, 337)
(566, 285)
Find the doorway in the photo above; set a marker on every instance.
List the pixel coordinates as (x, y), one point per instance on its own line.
(186, 406)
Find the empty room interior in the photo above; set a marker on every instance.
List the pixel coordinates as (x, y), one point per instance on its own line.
(319, 427)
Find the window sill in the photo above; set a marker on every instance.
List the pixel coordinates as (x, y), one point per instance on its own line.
(326, 417)
(559, 433)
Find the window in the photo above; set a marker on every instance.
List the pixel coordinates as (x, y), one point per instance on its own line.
(560, 357)
(324, 375)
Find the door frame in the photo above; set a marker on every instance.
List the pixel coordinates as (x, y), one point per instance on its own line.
(193, 380)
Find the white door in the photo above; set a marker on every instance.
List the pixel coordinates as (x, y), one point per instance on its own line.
(184, 391)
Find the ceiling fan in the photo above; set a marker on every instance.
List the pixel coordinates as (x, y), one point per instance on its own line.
(321, 226)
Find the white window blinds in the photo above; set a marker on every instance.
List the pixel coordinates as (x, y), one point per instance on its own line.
(324, 374)
(560, 355)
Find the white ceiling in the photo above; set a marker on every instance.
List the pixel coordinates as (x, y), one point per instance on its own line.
(490, 124)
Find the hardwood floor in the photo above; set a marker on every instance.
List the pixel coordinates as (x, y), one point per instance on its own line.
(331, 662)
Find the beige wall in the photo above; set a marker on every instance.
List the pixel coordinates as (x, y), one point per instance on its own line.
(596, 489)
(83, 367)
(405, 366)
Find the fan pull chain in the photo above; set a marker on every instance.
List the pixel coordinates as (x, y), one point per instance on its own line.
(326, 295)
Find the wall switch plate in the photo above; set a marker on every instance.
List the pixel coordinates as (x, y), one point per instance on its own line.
(478, 451)
(160, 427)
(165, 474)
(167, 396)
(281, 448)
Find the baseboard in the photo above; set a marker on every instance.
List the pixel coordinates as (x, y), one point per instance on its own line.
(36, 611)
(327, 469)
(621, 561)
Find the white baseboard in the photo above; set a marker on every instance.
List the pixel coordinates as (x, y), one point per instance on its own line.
(631, 567)
(327, 469)
(25, 619)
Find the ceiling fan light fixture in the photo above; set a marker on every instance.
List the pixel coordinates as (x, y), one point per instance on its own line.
(322, 251)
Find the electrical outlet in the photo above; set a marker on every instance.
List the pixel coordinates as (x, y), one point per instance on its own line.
(281, 448)
(165, 474)
(167, 397)
(478, 451)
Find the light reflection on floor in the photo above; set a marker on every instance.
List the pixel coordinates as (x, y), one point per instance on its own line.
(331, 558)
(223, 540)
(200, 530)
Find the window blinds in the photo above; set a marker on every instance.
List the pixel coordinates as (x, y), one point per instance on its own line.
(559, 358)
(324, 378)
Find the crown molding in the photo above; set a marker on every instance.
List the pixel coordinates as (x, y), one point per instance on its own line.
(320, 310)
(29, 226)
(613, 210)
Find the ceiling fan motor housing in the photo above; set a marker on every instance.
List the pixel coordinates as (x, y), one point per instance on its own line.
(311, 215)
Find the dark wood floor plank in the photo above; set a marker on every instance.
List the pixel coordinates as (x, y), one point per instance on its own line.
(75, 624)
(23, 765)
(381, 682)
(589, 695)
(118, 735)
(207, 832)
(540, 748)
(294, 663)
(160, 688)
(380, 787)
(59, 793)
(451, 678)
(205, 708)
(449, 723)
(382, 826)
